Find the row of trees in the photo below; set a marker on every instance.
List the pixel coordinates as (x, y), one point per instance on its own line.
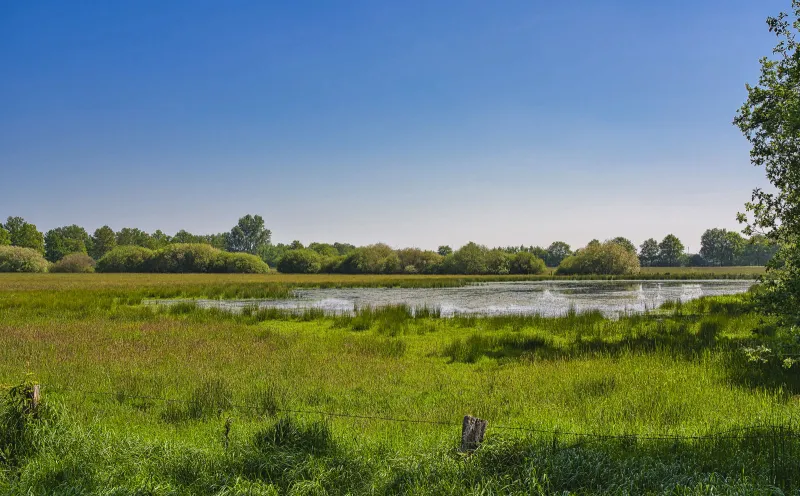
(249, 235)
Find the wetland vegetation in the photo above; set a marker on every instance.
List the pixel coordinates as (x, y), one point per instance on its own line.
(185, 400)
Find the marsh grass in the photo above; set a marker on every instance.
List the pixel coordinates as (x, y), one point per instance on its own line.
(203, 401)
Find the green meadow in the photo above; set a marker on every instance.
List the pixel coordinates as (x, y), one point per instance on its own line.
(180, 400)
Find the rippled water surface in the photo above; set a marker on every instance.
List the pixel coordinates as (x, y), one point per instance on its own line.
(548, 298)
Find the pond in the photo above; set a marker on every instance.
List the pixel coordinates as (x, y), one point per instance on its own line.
(546, 298)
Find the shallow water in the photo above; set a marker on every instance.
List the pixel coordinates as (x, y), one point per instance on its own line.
(547, 298)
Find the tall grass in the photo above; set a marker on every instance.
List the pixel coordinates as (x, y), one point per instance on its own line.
(191, 401)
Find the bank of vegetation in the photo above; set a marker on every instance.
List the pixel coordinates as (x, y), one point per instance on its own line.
(248, 248)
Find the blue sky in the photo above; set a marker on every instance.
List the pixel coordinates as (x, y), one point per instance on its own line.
(413, 123)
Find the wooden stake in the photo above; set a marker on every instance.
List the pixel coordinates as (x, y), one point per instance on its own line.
(35, 397)
(472, 432)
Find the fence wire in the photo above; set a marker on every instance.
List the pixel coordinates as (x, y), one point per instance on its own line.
(777, 431)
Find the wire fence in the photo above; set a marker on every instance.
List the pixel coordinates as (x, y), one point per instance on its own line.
(762, 431)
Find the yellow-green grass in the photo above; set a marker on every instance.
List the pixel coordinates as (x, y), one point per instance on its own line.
(107, 365)
(26, 282)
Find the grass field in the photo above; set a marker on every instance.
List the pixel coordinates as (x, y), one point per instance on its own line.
(188, 401)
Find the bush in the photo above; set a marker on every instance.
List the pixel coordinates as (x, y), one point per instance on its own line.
(526, 263)
(302, 261)
(18, 259)
(372, 259)
(126, 258)
(187, 257)
(74, 262)
(180, 258)
(241, 263)
(600, 258)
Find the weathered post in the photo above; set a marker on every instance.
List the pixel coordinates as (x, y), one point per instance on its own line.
(472, 432)
(34, 397)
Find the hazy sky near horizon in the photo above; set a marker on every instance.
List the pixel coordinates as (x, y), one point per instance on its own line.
(414, 123)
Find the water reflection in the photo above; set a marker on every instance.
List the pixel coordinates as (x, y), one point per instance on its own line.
(549, 298)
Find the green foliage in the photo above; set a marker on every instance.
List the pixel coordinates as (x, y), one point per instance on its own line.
(126, 258)
(5, 237)
(720, 247)
(75, 263)
(601, 258)
(526, 263)
(373, 259)
(469, 259)
(770, 120)
(18, 419)
(648, 253)
(62, 241)
(326, 250)
(557, 252)
(301, 261)
(180, 258)
(758, 250)
(132, 236)
(422, 261)
(240, 263)
(24, 234)
(248, 235)
(444, 250)
(186, 258)
(625, 243)
(670, 251)
(103, 241)
(19, 259)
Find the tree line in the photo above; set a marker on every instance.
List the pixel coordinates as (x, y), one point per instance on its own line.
(719, 247)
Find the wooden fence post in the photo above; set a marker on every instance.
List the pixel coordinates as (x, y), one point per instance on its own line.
(472, 432)
(34, 397)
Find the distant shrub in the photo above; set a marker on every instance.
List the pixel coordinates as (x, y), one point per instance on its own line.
(74, 262)
(526, 263)
(302, 261)
(372, 259)
(186, 258)
(241, 263)
(497, 262)
(18, 259)
(600, 258)
(180, 258)
(126, 258)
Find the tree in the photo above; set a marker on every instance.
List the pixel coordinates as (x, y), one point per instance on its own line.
(670, 251)
(62, 241)
(344, 248)
(132, 236)
(103, 241)
(648, 253)
(248, 235)
(758, 250)
(721, 247)
(300, 261)
(296, 245)
(159, 239)
(497, 262)
(526, 263)
(770, 120)
(444, 250)
(557, 252)
(325, 249)
(601, 258)
(470, 259)
(24, 234)
(625, 243)
(5, 237)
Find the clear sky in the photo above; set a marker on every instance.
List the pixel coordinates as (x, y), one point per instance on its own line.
(415, 123)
